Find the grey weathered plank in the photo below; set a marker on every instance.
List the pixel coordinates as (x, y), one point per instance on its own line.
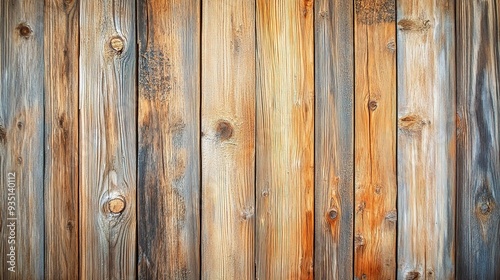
(107, 102)
(21, 137)
(61, 138)
(478, 139)
(334, 71)
(169, 139)
(375, 140)
(426, 139)
(228, 141)
(285, 139)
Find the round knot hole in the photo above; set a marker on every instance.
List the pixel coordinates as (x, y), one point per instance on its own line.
(24, 30)
(332, 214)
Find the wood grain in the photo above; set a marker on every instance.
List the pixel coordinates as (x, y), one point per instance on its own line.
(228, 141)
(21, 137)
(285, 139)
(334, 139)
(478, 146)
(107, 139)
(169, 139)
(375, 140)
(61, 138)
(426, 139)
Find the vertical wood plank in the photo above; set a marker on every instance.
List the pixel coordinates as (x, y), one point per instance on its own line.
(375, 135)
(61, 137)
(228, 141)
(426, 139)
(478, 151)
(169, 139)
(21, 138)
(334, 45)
(285, 139)
(107, 139)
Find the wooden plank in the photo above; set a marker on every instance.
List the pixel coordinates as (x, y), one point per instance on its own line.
(426, 139)
(334, 139)
(169, 139)
(21, 139)
(107, 139)
(478, 139)
(228, 141)
(285, 139)
(61, 138)
(375, 136)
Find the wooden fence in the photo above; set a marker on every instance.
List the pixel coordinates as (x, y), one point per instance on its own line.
(243, 139)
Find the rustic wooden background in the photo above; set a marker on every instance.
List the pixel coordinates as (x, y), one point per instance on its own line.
(242, 139)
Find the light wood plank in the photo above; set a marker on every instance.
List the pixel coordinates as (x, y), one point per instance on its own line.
(228, 141)
(107, 139)
(478, 151)
(426, 139)
(285, 139)
(61, 138)
(375, 135)
(21, 138)
(334, 139)
(169, 139)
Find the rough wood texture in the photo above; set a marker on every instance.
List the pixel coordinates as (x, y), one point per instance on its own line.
(21, 137)
(61, 138)
(107, 139)
(334, 45)
(478, 151)
(285, 139)
(169, 139)
(375, 140)
(228, 141)
(426, 139)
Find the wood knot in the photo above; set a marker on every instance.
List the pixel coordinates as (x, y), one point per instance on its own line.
(414, 25)
(391, 216)
(247, 213)
(359, 241)
(412, 275)
(224, 130)
(19, 160)
(332, 214)
(20, 125)
(3, 134)
(485, 208)
(391, 45)
(24, 30)
(117, 44)
(372, 105)
(116, 205)
(70, 225)
(412, 123)
(265, 193)
(361, 207)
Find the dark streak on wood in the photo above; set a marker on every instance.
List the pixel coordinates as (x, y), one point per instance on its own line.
(478, 166)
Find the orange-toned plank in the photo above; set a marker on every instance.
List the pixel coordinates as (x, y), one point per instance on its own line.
(285, 139)
(375, 148)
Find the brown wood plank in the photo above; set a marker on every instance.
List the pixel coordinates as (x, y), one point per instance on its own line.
(107, 132)
(285, 139)
(334, 73)
(426, 139)
(21, 139)
(169, 139)
(375, 135)
(478, 139)
(228, 141)
(61, 138)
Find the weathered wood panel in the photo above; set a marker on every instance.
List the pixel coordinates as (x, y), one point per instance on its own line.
(478, 151)
(334, 45)
(61, 138)
(107, 139)
(375, 140)
(21, 139)
(169, 139)
(228, 141)
(426, 139)
(285, 139)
